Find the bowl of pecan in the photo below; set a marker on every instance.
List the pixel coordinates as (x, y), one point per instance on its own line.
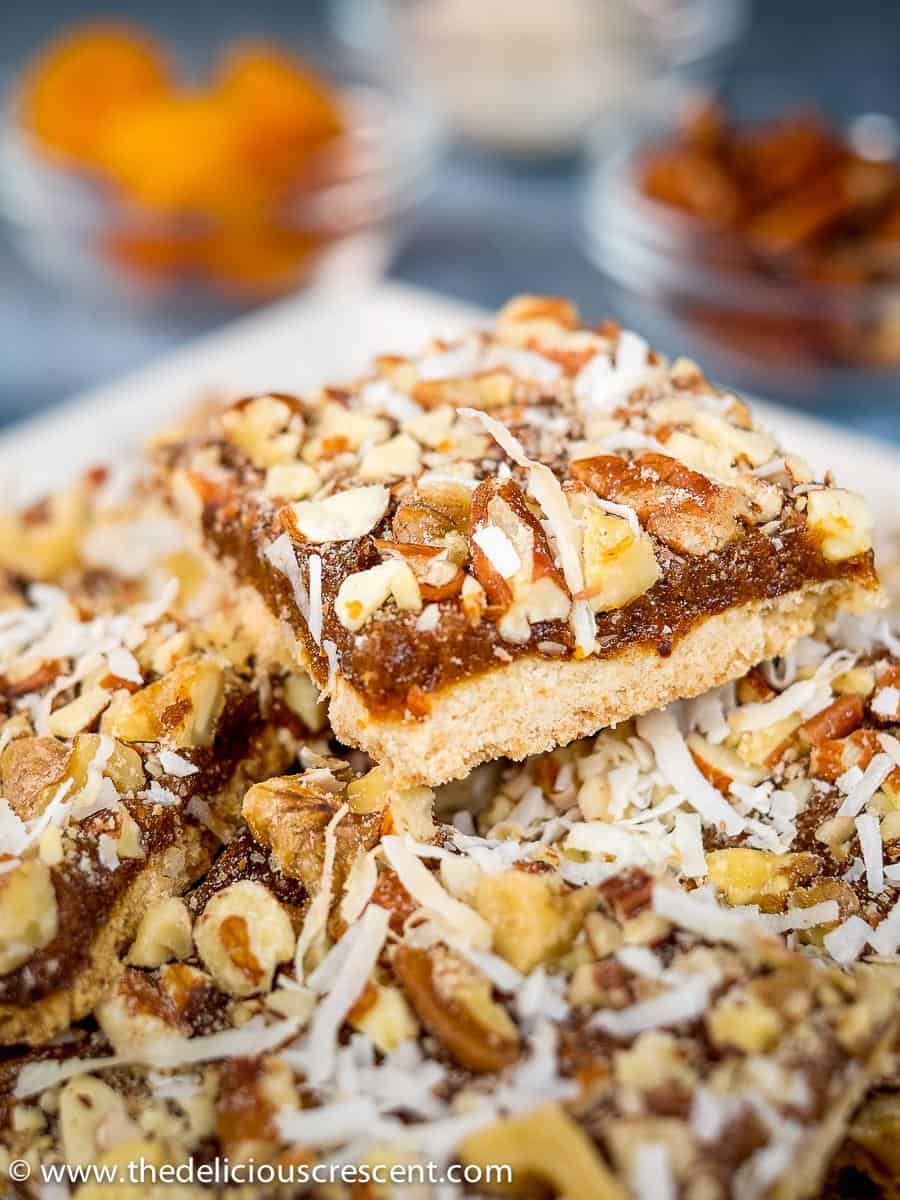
(124, 175)
(763, 234)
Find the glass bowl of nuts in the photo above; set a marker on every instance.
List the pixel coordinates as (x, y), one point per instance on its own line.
(123, 177)
(760, 229)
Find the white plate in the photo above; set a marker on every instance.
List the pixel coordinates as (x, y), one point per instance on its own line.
(298, 343)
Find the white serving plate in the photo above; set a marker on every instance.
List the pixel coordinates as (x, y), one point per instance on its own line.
(300, 342)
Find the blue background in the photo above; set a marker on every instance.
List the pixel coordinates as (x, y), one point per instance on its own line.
(485, 231)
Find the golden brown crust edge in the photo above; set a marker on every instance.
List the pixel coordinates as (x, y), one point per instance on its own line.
(536, 704)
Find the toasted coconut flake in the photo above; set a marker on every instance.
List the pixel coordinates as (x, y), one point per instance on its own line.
(424, 887)
(846, 943)
(346, 988)
(313, 930)
(651, 1173)
(868, 827)
(280, 554)
(315, 598)
(675, 762)
(886, 938)
(499, 549)
(685, 1002)
(704, 917)
(689, 843)
(174, 764)
(868, 784)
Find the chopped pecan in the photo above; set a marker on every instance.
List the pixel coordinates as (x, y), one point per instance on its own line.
(838, 720)
(831, 757)
(683, 508)
(453, 1001)
(391, 895)
(536, 590)
(628, 893)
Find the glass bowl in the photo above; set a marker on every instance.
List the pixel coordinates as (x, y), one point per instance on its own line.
(339, 225)
(526, 78)
(706, 294)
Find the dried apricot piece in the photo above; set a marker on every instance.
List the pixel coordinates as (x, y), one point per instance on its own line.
(259, 260)
(156, 255)
(83, 79)
(178, 153)
(281, 110)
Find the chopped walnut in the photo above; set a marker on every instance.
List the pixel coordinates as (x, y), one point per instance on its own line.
(290, 815)
(534, 920)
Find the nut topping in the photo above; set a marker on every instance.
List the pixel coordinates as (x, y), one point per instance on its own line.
(533, 921)
(341, 517)
(290, 815)
(268, 429)
(683, 508)
(241, 936)
(453, 1001)
(181, 709)
(842, 520)
(29, 917)
(163, 934)
(29, 766)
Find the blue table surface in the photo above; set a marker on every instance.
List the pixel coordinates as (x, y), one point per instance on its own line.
(486, 230)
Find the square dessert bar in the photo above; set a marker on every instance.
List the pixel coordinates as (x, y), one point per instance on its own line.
(432, 1003)
(128, 734)
(518, 538)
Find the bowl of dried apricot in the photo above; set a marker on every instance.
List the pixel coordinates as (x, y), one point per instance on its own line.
(119, 177)
(760, 227)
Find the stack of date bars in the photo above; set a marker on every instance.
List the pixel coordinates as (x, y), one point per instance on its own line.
(482, 777)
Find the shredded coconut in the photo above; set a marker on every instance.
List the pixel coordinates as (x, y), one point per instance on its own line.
(846, 942)
(871, 780)
(424, 887)
(868, 826)
(315, 598)
(499, 549)
(674, 760)
(174, 764)
(313, 931)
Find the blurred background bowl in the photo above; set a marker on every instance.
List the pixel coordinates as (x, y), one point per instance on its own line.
(337, 224)
(755, 321)
(526, 78)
